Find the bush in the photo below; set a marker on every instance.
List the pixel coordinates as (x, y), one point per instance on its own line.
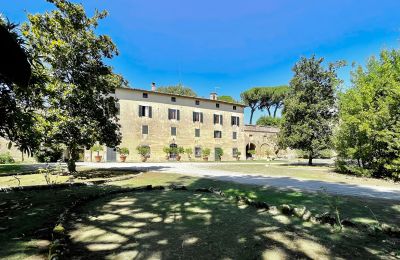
(325, 154)
(143, 150)
(51, 153)
(123, 151)
(269, 121)
(6, 158)
(350, 168)
(206, 152)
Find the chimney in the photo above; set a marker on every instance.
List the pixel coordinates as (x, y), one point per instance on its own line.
(153, 86)
(213, 96)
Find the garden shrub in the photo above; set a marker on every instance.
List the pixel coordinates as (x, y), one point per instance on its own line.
(351, 168)
(6, 158)
(49, 154)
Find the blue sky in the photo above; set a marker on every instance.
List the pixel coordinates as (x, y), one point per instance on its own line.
(232, 45)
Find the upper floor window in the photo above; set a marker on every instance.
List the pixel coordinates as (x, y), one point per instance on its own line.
(234, 107)
(218, 119)
(217, 105)
(173, 114)
(145, 129)
(234, 135)
(173, 99)
(145, 95)
(198, 117)
(235, 120)
(173, 131)
(145, 111)
(197, 132)
(197, 102)
(217, 134)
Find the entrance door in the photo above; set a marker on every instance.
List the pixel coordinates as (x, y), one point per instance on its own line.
(111, 155)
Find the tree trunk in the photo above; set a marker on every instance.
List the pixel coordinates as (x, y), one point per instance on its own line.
(275, 109)
(73, 156)
(269, 111)
(310, 158)
(251, 115)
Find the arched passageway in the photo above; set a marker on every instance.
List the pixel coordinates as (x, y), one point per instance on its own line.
(250, 147)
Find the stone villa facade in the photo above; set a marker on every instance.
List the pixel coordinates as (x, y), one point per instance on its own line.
(158, 120)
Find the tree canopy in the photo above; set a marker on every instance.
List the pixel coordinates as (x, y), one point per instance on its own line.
(251, 98)
(227, 99)
(178, 90)
(310, 110)
(369, 128)
(80, 108)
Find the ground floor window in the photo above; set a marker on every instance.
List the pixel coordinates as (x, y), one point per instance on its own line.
(234, 152)
(197, 152)
(174, 149)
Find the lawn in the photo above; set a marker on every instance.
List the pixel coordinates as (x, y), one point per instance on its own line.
(320, 173)
(27, 217)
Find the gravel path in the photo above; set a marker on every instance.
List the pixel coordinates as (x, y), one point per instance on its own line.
(283, 182)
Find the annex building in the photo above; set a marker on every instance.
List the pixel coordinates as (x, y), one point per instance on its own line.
(157, 120)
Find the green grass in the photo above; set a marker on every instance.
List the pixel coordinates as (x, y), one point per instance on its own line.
(320, 173)
(26, 217)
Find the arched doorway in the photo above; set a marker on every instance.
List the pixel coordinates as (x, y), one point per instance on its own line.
(250, 147)
(173, 151)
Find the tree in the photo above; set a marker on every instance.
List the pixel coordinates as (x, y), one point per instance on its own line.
(278, 97)
(266, 95)
(80, 108)
(269, 121)
(178, 90)
(251, 98)
(21, 82)
(369, 128)
(227, 99)
(310, 110)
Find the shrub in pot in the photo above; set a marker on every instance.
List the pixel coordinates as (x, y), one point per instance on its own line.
(189, 152)
(205, 153)
(180, 151)
(218, 153)
(238, 155)
(167, 151)
(123, 152)
(252, 153)
(144, 152)
(97, 148)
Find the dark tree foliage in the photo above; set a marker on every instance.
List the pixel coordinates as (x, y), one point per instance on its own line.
(178, 90)
(80, 108)
(310, 111)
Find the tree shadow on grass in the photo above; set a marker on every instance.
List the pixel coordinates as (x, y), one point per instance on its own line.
(190, 225)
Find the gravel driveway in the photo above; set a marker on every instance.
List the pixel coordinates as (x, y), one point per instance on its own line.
(282, 182)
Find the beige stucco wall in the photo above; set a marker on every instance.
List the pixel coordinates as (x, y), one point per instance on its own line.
(160, 126)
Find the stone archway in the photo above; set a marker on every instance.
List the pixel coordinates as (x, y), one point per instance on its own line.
(249, 147)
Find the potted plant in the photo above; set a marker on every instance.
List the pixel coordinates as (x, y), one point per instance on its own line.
(205, 152)
(180, 150)
(143, 151)
(97, 148)
(167, 151)
(123, 152)
(189, 153)
(238, 153)
(218, 153)
(252, 153)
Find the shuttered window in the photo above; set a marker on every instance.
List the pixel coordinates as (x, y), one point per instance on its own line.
(173, 114)
(198, 117)
(145, 111)
(218, 119)
(235, 120)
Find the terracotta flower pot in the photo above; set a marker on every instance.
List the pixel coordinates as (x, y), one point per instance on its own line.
(205, 158)
(98, 158)
(122, 158)
(144, 158)
(178, 158)
(237, 158)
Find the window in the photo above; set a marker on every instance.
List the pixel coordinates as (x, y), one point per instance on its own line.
(197, 132)
(235, 120)
(145, 95)
(145, 129)
(218, 119)
(217, 134)
(197, 152)
(173, 114)
(234, 152)
(173, 131)
(217, 105)
(197, 102)
(234, 107)
(234, 135)
(145, 111)
(198, 117)
(173, 99)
